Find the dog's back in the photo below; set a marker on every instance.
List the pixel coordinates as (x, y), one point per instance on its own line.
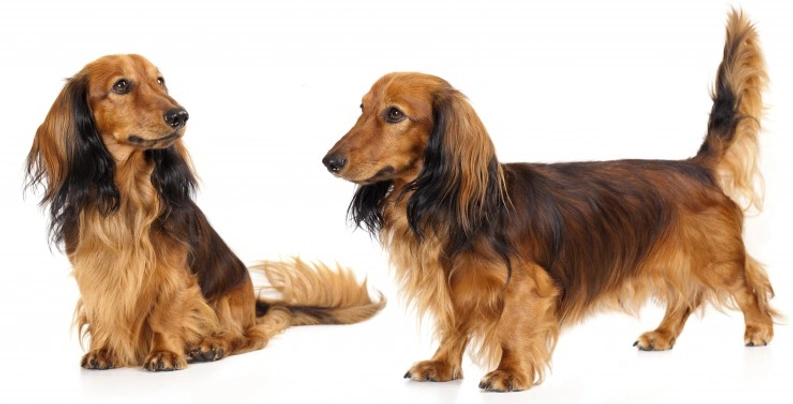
(615, 233)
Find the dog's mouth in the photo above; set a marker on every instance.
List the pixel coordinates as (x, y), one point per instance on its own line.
(158, 143)
(382, 175)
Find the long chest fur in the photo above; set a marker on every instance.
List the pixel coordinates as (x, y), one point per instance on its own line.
(123, 265)
(418, 266)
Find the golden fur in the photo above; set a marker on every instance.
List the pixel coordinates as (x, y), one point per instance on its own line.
(157, 284)
(503, 256)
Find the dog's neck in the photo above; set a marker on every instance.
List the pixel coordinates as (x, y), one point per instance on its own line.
(133, 179)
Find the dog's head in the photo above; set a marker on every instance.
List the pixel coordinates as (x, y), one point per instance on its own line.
(129, 102)
(389, 138)
(116, 106)
(420, 135)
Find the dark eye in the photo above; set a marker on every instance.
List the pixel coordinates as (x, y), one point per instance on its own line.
(122, 86)
(161, 81)
(394, 115)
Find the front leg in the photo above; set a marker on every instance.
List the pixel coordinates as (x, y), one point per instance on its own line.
(166, 354)
(526, 332)
(99, 359)
(99, 356)
(445, 365)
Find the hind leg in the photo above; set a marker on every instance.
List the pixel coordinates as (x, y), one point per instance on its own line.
(759, 324)
(753, 301)
(747, 284)
(663, 338)
(237, 332)
(180, 318)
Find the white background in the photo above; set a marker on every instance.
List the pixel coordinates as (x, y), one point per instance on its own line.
(270, 86)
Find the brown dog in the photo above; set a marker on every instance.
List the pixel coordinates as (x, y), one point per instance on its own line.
(157, 283)
(507, 254)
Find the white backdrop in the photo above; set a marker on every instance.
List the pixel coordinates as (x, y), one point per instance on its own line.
(270, 86)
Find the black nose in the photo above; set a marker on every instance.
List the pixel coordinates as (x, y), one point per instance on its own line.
(334, 162)
(176, 118)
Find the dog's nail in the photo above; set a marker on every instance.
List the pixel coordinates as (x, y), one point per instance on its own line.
(635, 343)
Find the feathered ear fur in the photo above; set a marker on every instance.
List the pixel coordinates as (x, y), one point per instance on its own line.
(366, 207)
(70, 161)
(459, 194)
(173, 176)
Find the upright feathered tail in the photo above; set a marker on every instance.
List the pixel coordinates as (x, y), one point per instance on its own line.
(731, 145)
(313, 294)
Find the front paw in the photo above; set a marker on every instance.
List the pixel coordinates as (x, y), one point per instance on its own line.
(505, 380)
(99, 359)
(164, 361)
(434, 371)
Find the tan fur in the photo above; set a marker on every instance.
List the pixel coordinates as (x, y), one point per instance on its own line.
(738, 170)
(318, 286)
(157, 285)
(503, 256)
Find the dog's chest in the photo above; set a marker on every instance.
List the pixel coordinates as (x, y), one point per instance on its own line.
(418, 265)
(121, 268)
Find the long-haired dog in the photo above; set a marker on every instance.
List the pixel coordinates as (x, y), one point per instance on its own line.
(504, 255)
(157, 284)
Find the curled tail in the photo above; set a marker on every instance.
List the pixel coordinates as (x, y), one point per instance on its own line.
(731, 146)
(312, 294)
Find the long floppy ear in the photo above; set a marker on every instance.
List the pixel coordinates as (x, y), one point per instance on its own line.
(459, 193)
(173, 176)
(366, 207)
(70, 161)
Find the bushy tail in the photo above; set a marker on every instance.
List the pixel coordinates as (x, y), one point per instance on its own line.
(312, 294)
(731, 146)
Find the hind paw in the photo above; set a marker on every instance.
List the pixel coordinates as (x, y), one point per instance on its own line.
(209, 350)
(758, 334)
(655, 341)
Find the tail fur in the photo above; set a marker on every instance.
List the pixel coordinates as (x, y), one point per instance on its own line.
(313, 294)
(731, 147)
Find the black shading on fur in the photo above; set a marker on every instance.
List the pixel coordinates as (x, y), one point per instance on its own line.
(89, 179)
(366, 209)
(218, 269)
(724, 116)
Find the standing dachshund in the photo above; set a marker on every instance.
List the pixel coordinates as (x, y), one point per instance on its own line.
(504, 255)
(157, 283)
